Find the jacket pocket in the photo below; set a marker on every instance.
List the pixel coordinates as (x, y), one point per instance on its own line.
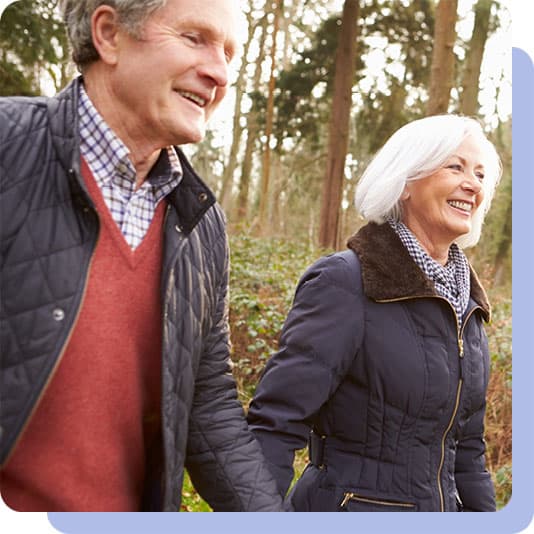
(355, 502)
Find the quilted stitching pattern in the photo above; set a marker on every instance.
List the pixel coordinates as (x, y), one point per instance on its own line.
(222, 457)
(47, 239)
(42, 252)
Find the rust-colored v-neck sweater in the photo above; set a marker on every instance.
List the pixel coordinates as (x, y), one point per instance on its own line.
(84, 448)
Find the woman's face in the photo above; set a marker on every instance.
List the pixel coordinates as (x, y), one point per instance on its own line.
(439, 208)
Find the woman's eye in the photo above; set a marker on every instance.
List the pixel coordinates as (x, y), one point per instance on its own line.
(454, 167)
(480, 176)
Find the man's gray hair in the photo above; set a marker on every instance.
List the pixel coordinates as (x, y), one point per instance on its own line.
(416, 151)
(77, 16)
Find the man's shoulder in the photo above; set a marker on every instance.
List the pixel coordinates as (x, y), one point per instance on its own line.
(23, 104)
(20, 115)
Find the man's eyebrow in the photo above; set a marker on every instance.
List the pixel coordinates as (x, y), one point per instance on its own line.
(211, 30)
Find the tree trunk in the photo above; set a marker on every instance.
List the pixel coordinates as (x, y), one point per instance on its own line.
(264, 189)
(442, 70)
(339, 126)
(475, 52)
(503, 250)
(225, 195)
(278, 184)
(281, 177)
(246, 170)
(251, 131)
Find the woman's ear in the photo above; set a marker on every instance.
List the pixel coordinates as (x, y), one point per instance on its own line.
(405, 193)
(105, 29)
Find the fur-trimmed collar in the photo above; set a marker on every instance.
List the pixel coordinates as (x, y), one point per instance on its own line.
(388, 271)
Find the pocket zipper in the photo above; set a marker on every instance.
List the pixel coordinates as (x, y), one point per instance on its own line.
(355, 497)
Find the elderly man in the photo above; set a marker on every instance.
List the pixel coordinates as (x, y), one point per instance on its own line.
(115, 354)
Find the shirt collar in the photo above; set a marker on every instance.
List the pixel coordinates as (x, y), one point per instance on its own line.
(98, 143)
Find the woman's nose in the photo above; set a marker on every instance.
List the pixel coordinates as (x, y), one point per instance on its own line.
(472, 183)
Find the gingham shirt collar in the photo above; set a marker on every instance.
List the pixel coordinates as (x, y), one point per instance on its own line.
(107, 158)
(451, 280)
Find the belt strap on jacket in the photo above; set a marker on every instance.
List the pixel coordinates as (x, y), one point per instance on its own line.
(316, 445)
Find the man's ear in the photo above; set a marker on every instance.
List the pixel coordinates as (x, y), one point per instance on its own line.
(105, 29)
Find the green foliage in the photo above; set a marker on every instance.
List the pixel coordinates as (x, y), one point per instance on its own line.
(32, 41)
(263, 278)
(407, 27)
(406, 32)
(499, 397)
(503, 484)
(304, 112)
(191, 500)
(408, 24)
(493, 253)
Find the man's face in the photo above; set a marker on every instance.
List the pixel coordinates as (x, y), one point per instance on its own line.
(168, 82)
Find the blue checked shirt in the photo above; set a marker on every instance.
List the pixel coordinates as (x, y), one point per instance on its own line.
(452, 280)
(107, 158)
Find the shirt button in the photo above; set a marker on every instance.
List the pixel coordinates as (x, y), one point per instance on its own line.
(202, 197)
(58, 314)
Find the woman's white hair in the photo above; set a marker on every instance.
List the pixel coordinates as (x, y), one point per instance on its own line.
(416, 151)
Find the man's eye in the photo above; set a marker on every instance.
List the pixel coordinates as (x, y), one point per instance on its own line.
(193, 38)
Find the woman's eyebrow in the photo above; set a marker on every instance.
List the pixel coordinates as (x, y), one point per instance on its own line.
(464, 161)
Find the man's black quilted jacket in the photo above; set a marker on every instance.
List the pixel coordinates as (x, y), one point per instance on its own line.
(48, 233)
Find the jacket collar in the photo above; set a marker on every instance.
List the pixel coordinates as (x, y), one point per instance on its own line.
(389, 273)
(63, 121)
(191, 199)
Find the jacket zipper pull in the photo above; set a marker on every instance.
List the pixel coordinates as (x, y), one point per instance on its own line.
(461, 362)
(346, 499)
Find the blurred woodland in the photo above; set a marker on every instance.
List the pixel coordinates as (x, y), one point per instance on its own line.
(319, 86)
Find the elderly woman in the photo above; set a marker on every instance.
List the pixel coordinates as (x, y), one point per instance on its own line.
(383, 362)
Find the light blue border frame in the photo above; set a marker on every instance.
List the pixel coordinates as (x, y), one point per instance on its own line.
(516, 515)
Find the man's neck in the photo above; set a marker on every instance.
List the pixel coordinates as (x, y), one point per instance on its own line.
(142, 154)
(143, 166)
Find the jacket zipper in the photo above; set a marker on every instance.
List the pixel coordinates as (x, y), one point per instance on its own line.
(360, 498)
(459, 333)
(165, 280)
(59, 358)
(442, 459)
(457, 403)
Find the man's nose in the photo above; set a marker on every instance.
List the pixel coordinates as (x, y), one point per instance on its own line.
(216, 67)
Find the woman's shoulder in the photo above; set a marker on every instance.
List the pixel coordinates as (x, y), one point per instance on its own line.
(340, 268)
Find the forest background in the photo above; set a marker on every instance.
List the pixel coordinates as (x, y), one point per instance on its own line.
(318, 88)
